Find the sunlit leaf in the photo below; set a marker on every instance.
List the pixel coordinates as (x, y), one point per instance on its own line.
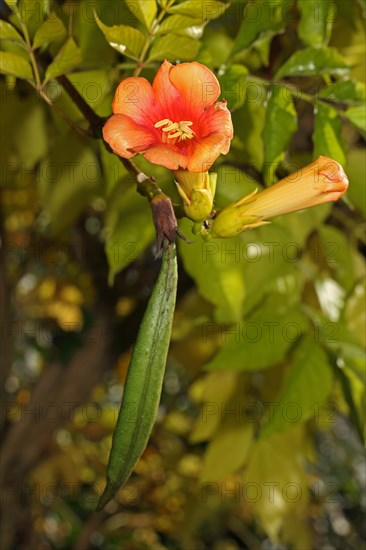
(173, 48)
(307, 385)
(345, 91)
(143, 10)
(311, 61)
(11, 3)
(51, 30)
(227, 452)
(316, 21)
(15, 65)
(8, 32)
(276, 480)
(124, 39)
(261, 340)
(357, 116)
(203, 10)
(216, 390)
(68, 58)
(217, 271)
(181, 24)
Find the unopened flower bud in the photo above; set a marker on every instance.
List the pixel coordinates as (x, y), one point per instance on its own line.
(321, 181)
(197, 190)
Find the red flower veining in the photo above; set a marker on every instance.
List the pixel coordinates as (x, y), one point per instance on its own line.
(176, 122)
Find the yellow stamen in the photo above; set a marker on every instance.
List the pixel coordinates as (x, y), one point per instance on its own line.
(181, 130)
(172, 126)
(162, 123)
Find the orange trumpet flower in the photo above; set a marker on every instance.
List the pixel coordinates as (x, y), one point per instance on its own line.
(176, 122)
(321, 181)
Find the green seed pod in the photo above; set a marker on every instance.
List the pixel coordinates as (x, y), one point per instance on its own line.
(144, 380)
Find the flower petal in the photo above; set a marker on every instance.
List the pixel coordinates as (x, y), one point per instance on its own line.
(205, 152)
(197, 85)
(167, 96)
(134, 97)
(125, 137)
(166, 156)
(217, 118)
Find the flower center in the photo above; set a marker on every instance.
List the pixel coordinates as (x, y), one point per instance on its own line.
(180, 130)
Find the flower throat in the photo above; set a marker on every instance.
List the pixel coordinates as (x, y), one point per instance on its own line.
(173, 130)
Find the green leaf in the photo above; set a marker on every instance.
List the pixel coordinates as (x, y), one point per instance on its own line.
(32, 11)
(327, 135)
(313, 61)
(280, 125)
(129, 228)
(68, 58)
(143, 10)
(173, 47)
(233, 184)
(216, 48)
(316, 21)
(182, 24)
(113, 169)
(31, 138)
(306, 387)
(345, 91)
(355, 315)
(51, 30)
(356, 174)
(227, 452)
(272, 254)
(357, 116)
(213, 388)
(261, 340)
(11, 3)
(259, 17)
(217, 272)
(204, 10)
(95, 50)
(277, 481)
(68, 180)
(335, 253)
(15, 65)
(233, 85)
(124, 39)
(8, 32)
(354, 395)
(362, 4)
(249, 123)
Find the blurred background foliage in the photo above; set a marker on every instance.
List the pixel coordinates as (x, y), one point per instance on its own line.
(258, 442)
